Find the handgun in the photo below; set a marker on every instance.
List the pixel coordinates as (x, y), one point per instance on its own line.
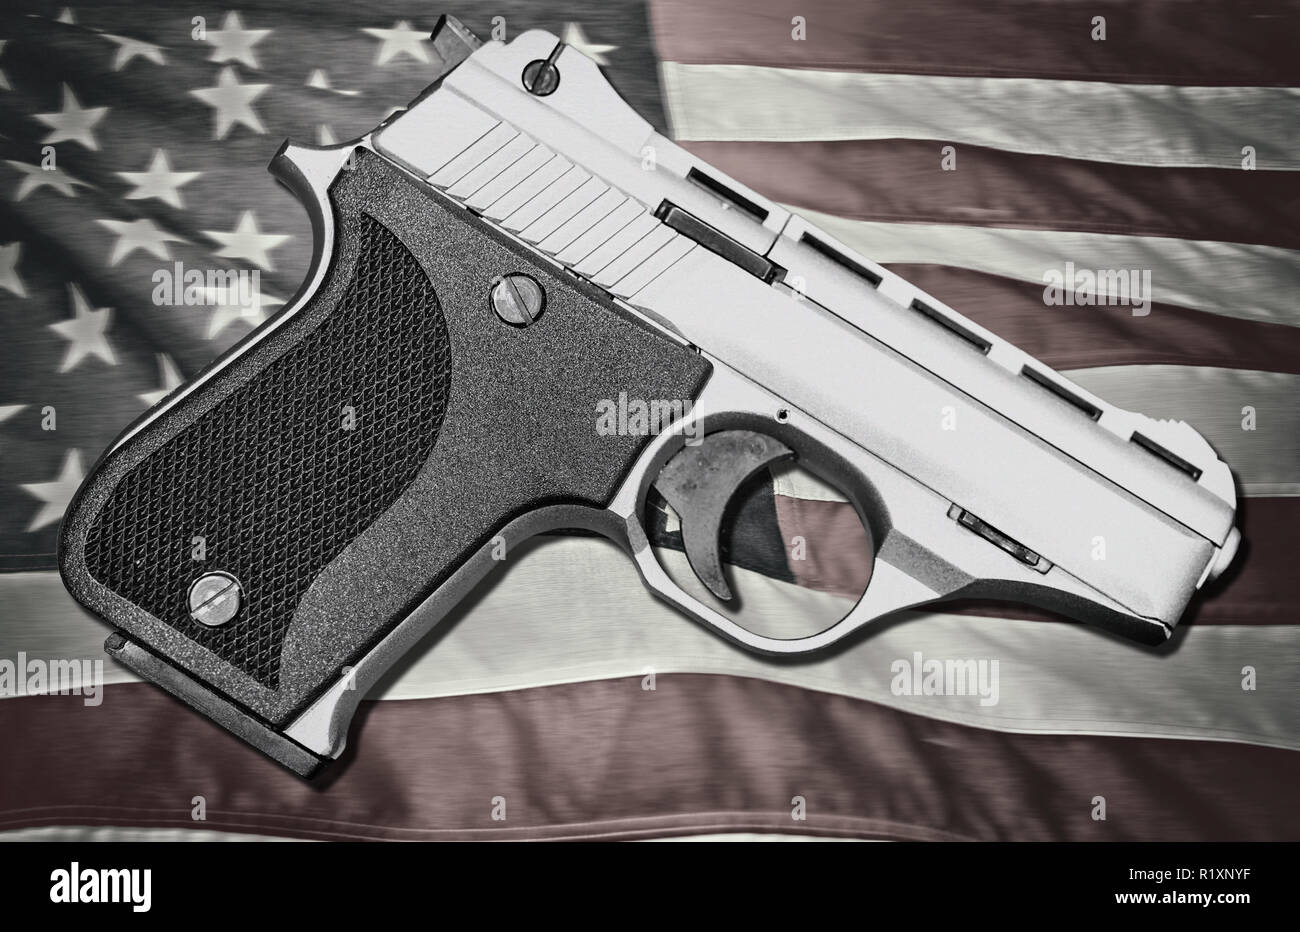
(492, 265)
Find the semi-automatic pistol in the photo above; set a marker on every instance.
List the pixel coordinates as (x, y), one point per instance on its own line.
(500, 269)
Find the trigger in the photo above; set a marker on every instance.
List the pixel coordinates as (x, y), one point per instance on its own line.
(699, 481)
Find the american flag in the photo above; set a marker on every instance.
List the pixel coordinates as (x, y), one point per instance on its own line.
(972, 148)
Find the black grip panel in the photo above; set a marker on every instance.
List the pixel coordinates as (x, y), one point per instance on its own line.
(270, 479)
(352, 456)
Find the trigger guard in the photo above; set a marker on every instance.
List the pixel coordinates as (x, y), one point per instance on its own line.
(732, 402)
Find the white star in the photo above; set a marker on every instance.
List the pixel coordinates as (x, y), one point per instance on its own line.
(324, 136)
(130, 49)
(138, 234)
(321, 81)
(85, 332)
(246, 241)
(9, 255)
(225, 313)
(574, 36)
(400, 40)
(35, 177)
(8, 411)
(232, 102)
(235, 43)
(171, 380)
(73, 122)
(159, 181)
(66, 17)
(57, 494)
(4, 82)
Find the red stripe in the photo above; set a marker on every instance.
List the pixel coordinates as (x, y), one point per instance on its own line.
(1079, 337)
(902, 180)
(608, 759)
(1261, 587)
(1250, 42)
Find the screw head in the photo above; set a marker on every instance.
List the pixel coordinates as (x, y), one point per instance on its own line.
(215, 599)
(518, 299)
(541, 77)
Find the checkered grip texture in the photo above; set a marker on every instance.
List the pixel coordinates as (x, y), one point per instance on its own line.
(270, 477)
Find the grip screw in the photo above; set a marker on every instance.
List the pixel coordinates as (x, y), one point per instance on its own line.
(215, 599)
(518, 299)
(541, 78)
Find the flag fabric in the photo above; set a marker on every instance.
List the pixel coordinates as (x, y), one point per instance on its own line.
(974, 150)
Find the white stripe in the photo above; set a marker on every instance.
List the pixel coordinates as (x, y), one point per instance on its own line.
(97, 833)
(1266, 460)
(1246, 281)
(796, 482)
(1132, 124)
(572, 609)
